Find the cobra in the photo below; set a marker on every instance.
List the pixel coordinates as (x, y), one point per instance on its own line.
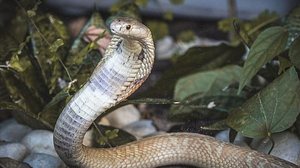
(127, 63)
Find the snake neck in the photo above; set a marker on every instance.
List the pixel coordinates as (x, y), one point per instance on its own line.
(120, 73)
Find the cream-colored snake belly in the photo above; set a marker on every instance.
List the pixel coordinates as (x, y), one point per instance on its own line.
(127, 63)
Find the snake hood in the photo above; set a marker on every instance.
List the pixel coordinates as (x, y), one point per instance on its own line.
(129, 28)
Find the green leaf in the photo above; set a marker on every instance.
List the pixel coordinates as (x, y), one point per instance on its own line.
(25, 117)
(12, 35)
(4, 105)
(168, 15)
(283, 64)
(20, 93)
(127, 8)
(159, 29)
(18, 64)
(274, 109)
(186, 36)
(207, 82)
(294, 53)
(108, 136)
(53, 109)
(247, 30)
(268, 44)
(206, 92)
(264, 18)
(226, 25)
(196, 59)
(59, 27)
(31, 13)
(4, 95)
(62, 95)
(47, 52)
(142, 3)
(55, 45)
(293, 25)
(82, 58)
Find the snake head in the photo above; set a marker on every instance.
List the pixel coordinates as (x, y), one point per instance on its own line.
(129, 28)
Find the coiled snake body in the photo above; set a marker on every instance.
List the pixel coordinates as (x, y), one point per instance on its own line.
(127, 63)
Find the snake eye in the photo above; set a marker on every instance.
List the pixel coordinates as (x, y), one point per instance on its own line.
(128, 27)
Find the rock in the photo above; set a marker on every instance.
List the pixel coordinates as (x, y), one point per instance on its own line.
(287, 146)
(16, 151)
(40, 141)
(11, 163)
(123, 116)
(140, 128)
(165, 48)
(88, 138)
(11, 131)
(104, 121)
(38, 160)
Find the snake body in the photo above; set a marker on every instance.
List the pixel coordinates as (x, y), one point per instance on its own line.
(127, 63)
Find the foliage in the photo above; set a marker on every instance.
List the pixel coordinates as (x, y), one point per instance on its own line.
(292, 24)
(186, 36)
(248, 30)
(294, 53)
(209, 91)
(38, 63)
(273, 109)
(268, 44)
(259, 109)
(112, 137)
(83, 57)
(159, 27)
(196, 59)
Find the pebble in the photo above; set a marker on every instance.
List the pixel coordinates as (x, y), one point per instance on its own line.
(16, 151)
(287, 146)
(141, 128)
(12, 131)
(88, 138)
(104, 121)
(165, 48)
(40, 141)
(123, 116)
(41, 160)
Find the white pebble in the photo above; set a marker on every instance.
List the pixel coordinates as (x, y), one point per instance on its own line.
(41, 160)
(15, 151)
(11, 131)
(40, 141)
(123, 116)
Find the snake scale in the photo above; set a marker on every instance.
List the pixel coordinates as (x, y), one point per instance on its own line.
(127, 63)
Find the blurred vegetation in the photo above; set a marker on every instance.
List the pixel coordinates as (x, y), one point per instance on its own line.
(41, 68)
